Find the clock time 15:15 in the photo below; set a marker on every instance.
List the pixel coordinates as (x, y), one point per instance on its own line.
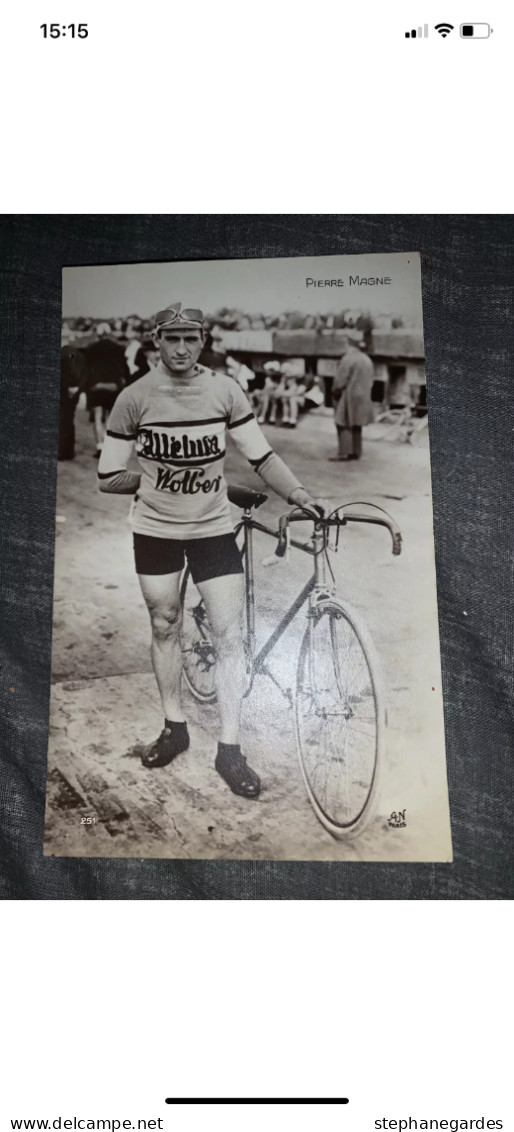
(57, 31)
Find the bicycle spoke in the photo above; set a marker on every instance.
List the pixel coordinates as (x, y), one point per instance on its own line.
(359, 730)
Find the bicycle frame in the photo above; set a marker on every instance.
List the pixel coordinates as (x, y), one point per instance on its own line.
(315, 589)
(316, 584)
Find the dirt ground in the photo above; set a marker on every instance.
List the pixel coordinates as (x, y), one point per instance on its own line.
(105, 708)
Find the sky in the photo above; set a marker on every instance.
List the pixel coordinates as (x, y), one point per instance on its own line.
(267, 286)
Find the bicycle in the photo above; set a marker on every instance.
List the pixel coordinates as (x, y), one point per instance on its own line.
(339, 703)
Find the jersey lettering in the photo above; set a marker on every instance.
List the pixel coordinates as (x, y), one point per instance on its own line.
(191, 483)
(156, 444)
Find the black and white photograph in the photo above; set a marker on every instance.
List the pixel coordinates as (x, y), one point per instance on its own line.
(245, 658)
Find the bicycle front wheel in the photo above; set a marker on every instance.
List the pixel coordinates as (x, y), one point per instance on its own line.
(340, 718)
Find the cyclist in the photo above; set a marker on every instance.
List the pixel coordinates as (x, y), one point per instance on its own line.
(175, 419)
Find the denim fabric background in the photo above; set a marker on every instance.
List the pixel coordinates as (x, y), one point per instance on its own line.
(468, 284)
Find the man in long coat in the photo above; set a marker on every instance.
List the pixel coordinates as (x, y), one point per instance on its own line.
(351, 394)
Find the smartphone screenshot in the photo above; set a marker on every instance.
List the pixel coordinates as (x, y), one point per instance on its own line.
(256, 779)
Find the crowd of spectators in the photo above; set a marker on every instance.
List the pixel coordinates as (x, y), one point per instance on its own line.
(233, 319)
(101, 356)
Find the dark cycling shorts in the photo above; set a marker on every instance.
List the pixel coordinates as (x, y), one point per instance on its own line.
(104, 398)
(206, 557)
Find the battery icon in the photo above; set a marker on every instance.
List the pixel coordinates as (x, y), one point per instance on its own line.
(475, 31)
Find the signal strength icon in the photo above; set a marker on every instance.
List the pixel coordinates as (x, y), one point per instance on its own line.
(444, 29)
(420, 33)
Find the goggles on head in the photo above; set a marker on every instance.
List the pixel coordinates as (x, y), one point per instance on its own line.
(172, 315)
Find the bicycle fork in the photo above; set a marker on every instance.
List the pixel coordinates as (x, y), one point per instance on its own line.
(320, 587)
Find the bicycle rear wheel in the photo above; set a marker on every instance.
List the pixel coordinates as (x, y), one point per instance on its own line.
(198, 652)
(340, 718)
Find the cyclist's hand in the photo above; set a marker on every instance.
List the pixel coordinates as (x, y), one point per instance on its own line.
(322, 506)
(302, 498)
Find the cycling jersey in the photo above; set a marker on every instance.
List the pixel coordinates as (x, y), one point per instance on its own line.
(178, 430)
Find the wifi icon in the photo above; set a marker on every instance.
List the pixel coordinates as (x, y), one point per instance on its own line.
(444, 29)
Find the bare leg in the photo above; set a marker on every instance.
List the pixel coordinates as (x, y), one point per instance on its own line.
(273, 410)
(162, 596)
(263, 407)
(223, 599)
(98, 426)
(293, 409)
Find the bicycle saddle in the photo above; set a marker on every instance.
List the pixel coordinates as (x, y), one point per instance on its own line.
(245, 497)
